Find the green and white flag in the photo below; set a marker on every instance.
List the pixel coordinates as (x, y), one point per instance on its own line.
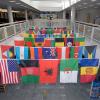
(68, 70)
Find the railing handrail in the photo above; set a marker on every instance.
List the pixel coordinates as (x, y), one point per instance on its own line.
(6, 24)
(89, 24)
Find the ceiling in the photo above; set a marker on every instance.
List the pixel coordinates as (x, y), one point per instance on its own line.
(49, 5)
(86, 4)
(16, 5)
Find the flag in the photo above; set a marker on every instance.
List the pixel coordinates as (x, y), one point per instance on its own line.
(22, 52)
(76, 52)
(52, 43)
(69, 42)
(29, 71)
(63, 52)
(39, 42)
(49, 53)
(7, 52)
(9, 71)
(59, 42)
(89, 51)
(88, 70)
(35, 53)
(19, 42)
(49, 31)
(29, 42)
(68, 70)
(47, 43)
(79, 41)
(48, 71)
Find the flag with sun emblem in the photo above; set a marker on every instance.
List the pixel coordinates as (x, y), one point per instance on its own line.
(48, 71)
(68, 70)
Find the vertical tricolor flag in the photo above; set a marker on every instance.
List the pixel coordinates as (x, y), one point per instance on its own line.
(48, 71)
(9, 71)
(35, 53)
(88, 70)
(63, 52)
(68, 71)
(29, 71)
(22, 52)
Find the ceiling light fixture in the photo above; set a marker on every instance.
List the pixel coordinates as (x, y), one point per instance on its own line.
(12, 1)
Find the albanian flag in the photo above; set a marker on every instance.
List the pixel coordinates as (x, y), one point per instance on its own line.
(48, 71)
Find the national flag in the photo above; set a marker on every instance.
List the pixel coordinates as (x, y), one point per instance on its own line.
(47, 43)
(48, 71)
(59, 42)
(76, 51)
(68, 70)
(9, 71)
(22, 52)
(49, 53)
(52, 43)
(35, 53)
(49, 31)
(29, 71)
(19, 42)
(29, 42)
(89, 51)
(63, 52)
(88, 70)
(69, 42)
(79, 41)
(39, 42)
(7, 52)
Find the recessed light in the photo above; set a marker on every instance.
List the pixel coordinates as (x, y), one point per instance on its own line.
(12, 1)
(93, 0)
(18, 3)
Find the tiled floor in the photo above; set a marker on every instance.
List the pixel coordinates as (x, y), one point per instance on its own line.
(47, 92)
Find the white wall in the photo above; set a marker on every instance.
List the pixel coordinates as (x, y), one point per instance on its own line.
(88, 15)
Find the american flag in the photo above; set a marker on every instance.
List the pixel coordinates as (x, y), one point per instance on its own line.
(8, 76)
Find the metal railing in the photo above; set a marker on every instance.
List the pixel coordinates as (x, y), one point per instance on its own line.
(89, 30)
(9, 29)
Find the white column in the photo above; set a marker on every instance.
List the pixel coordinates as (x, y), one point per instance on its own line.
(64, 14)
(26, 15)
(10, 14)
(72, 16)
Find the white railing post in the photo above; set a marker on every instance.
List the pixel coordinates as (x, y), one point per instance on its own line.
(92, 35)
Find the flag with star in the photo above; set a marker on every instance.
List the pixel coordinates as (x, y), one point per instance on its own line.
(68, 70)
(49, 53)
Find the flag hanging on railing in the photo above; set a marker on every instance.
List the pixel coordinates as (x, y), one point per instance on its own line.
(7, 52)
(88, 70)
(48, 71)
(68, 70)
(89, 51)
(9, 71)
(29, 71)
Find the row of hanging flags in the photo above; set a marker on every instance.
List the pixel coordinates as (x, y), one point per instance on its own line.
(50, 42)
(48, 71)
(25, 52)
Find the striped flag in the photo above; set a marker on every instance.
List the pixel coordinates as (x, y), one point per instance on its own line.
(9, 74)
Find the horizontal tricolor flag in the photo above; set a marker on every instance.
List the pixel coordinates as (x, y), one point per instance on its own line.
(88, 70)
